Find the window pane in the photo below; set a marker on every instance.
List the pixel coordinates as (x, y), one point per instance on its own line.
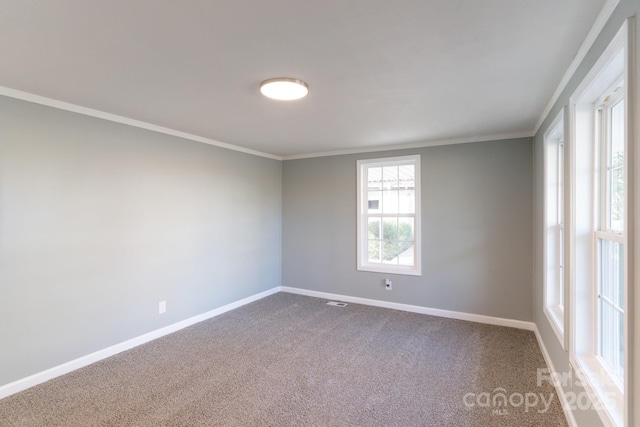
(390, 202)
(406, 199)
(611, 305)
(405, 229)
(374, 228)
(374, 202)
(560, 297)
(612, 271)
(616, 198)
(611, 346)
(620, 359)
(606, 337)
(405, 241)
(615, 166)
(617, 134)
(618, 295)
(406, 256)
(374, 251)
(374, 178)
(406, 175)
(389, 252)
(560, 182)
(390, 177)
(390, 236)
(390, 229)
(606, 266)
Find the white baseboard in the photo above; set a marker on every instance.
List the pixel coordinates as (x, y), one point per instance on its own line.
(561, 394)
(478, 318)
(40, 377)
(56, 371)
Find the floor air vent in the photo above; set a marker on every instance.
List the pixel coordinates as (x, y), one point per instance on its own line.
(337, 304)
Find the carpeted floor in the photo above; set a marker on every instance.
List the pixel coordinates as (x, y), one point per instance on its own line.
(294, 360)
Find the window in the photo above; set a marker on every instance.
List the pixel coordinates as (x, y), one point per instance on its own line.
(610, 235)
(598, 231)
(554, 236)
(389, 215)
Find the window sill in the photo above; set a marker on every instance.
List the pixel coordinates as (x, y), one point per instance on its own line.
(606, 397)
(555, 316)
(408, 271)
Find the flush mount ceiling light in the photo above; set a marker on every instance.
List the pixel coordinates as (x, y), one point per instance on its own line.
(284, 88)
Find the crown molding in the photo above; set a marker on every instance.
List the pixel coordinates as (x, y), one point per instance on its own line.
(49, 102)
(422, 144)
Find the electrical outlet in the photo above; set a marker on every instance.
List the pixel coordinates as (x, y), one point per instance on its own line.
(162, 307)
(387, 284)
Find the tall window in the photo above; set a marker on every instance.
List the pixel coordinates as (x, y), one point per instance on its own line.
(554, 237)
(610, 234)
(598, 231)
(389, 215)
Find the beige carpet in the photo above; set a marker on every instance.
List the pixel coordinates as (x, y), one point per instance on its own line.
(293, 360)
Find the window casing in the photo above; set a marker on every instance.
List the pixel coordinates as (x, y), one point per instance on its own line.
(388, 226)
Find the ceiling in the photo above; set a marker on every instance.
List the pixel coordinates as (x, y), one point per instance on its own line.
(381, 72)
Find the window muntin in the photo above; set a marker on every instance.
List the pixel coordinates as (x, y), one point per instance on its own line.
(388, 215)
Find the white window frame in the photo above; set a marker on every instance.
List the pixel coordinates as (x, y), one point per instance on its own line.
(555, 289)
(362, 217)
(609, 398)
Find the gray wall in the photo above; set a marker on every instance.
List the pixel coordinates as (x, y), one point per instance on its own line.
(560, 357)
(476, 229)
(100, 221)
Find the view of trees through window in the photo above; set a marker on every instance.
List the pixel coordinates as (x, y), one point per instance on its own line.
(395, 239)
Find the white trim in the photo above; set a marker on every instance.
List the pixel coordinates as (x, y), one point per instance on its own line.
(561, 394)
(632, 383)
(56, 371)
(555, 325)
(49, 102)
(362, 263)
(593, 34)
(422, 144)
(478, 318)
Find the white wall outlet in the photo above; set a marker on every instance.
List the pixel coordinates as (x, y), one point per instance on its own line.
(162, 307)
(387, 284)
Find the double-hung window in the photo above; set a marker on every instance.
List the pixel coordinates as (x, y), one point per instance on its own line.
(389, 215)
(554, 236)
(610, 235)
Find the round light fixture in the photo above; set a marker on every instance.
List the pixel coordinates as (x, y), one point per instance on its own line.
(284, 88)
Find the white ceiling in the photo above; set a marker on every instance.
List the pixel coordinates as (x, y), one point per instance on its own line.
(380, 72)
